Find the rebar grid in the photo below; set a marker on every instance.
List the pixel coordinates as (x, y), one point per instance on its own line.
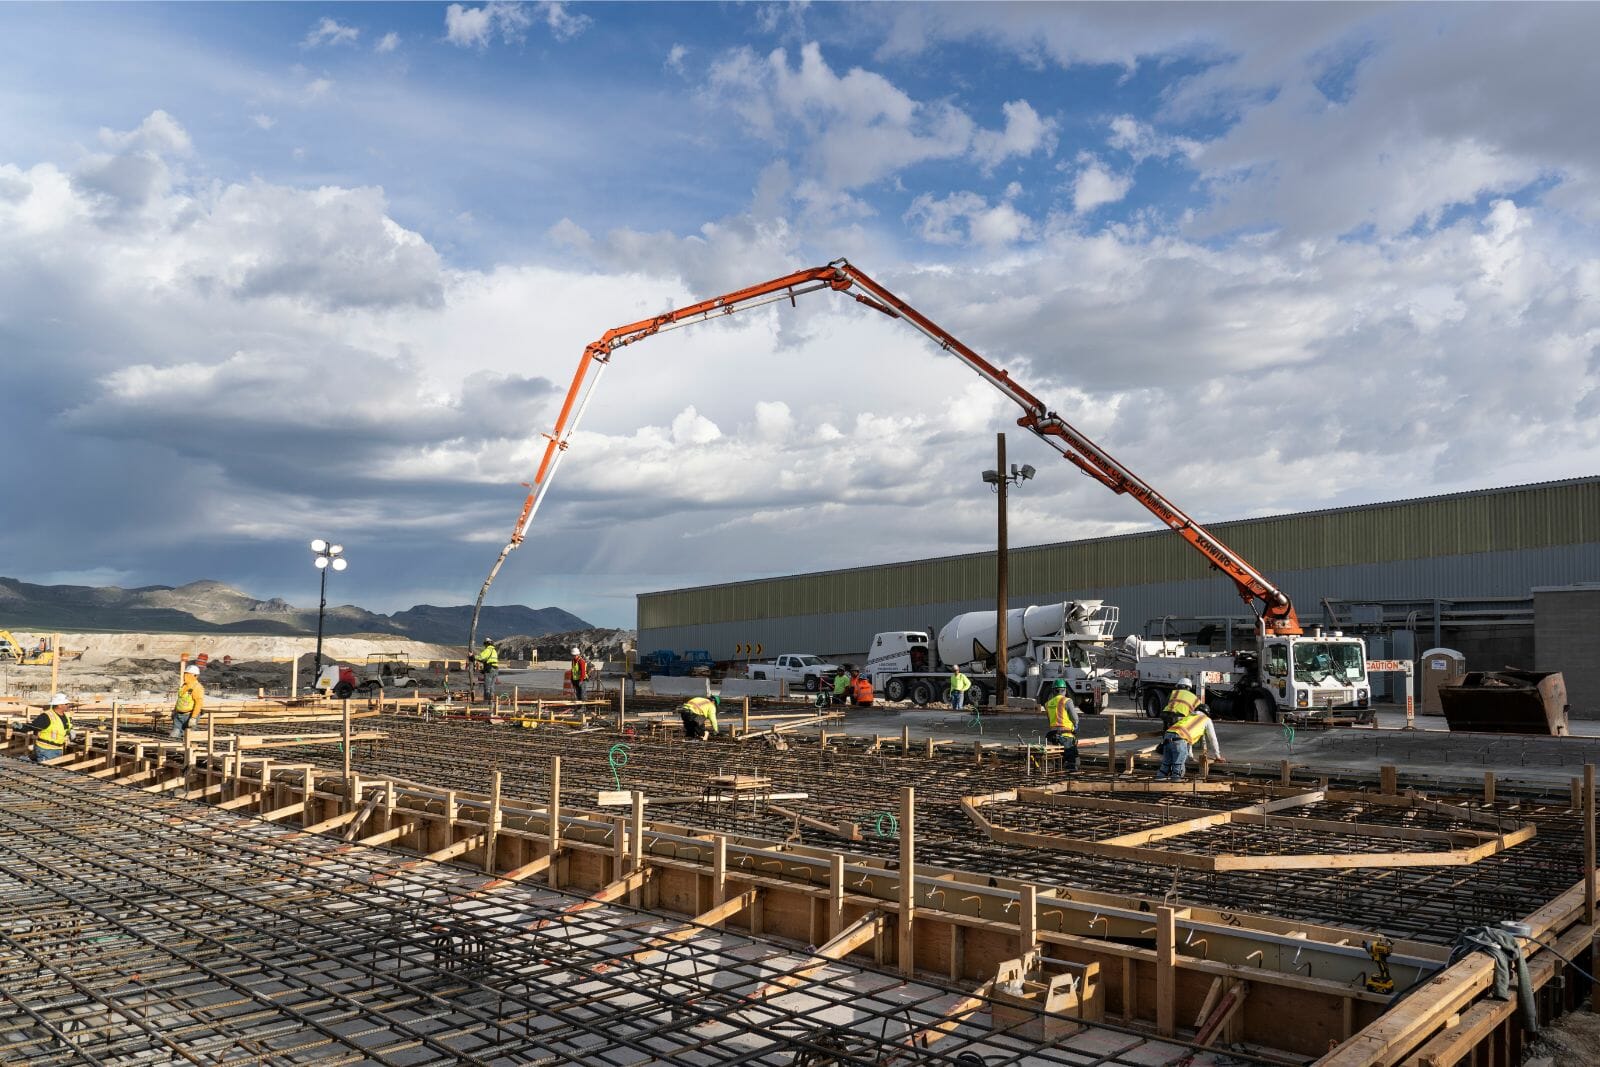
(847, 784)
(145, 929)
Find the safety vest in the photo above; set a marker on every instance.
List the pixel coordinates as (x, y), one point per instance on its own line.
(704, 707)
(841, 682)
(579, 670)
(1181, 703)
(490, 656)
(960, 683)
(55, 734)
(863, 689)
(1192, 727)
(1057, 708)
(186, 697)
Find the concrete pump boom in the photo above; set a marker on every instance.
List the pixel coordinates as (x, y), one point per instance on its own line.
(1275, 611)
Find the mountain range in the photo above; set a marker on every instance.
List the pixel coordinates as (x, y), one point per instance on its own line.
(212, 607)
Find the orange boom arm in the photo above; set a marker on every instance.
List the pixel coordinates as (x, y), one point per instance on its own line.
(1272, 605)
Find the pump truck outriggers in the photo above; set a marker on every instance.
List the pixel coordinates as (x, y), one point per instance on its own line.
(1275, 615)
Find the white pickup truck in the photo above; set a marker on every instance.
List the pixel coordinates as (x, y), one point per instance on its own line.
(796, 668)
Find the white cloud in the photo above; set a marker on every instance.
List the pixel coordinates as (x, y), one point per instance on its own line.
(387, 43)
(263, 122)
(858, 128)
(1025, 133)
(964, 217)
(329, 31)
(316, 89)
(1095, 185)
(563, 24)
(675, 57)
(1143, 141)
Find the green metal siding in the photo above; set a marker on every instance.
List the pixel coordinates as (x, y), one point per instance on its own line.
(1522, 517)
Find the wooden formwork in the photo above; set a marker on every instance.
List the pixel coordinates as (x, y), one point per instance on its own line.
(1273, 985)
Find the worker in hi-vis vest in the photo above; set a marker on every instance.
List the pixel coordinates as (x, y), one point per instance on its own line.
(841, 687)
(1063, 719)
(190, 703)
(50, 728)
(959, 684)
(1187, 725)
(577, 673)
(699, 716)
(488, 662)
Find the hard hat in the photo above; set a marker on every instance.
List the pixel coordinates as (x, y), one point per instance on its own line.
(58, 700)
(191, 669)
(1061, 683)
(716, 699)
(575, 652)
(1186, 682)
(488, 640)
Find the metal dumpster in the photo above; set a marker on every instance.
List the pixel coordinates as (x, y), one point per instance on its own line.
(1507, 702)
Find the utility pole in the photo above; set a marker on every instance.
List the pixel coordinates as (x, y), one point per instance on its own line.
(1002, 684)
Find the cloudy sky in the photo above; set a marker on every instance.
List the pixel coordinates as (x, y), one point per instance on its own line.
(271, 272)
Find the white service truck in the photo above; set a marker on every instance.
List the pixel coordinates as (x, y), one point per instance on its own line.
(1044, 642)
(1301, 676)
(796, 668)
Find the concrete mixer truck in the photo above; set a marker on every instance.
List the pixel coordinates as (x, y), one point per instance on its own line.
(1046, 642)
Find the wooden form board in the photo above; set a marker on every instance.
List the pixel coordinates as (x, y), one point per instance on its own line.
(1460, 847)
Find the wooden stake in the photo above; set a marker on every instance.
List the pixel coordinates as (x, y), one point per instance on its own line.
(347, 738)
(1388, 779)
(111, 750)
(1285, 772)
(908, 878)
(494, 824)
(554, 810)
(294, 677)
(746, 727)
(905, 740)
(1166, 971)
(636, 842)
(930, 748)
(719, 869)
(835, 894)
(1588, 844)
(1028, 920)
(1488, 788)
(55, 663)
(1111, 743)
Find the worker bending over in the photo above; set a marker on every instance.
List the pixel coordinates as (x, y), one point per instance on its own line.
(699, 717)
(190, 703)
(1063, 719)
(489, 663)
(50, 729)
(1187, 725)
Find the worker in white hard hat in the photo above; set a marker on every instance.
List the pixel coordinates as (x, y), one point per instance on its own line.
(51, 727)
(488, 661)
(190, 703)
(1187, 725)
(577, 673)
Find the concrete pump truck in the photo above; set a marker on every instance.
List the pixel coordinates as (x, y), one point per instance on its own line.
(1284, 669)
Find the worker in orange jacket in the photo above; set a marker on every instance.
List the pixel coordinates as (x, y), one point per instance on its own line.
(860, 689)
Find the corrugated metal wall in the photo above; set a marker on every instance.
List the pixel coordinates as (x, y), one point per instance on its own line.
(1490, 543)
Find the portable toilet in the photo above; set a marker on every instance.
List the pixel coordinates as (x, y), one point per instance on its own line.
(1440, 667)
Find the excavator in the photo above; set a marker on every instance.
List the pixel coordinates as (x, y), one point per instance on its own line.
(1270, 605)
(41, 655)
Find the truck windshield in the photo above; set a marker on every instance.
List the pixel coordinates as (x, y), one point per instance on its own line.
(806, 661)
(1317, 661)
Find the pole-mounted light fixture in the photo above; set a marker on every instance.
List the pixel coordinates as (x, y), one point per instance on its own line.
(326, 555)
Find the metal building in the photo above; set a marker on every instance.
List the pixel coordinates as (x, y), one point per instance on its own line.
(1450, 562)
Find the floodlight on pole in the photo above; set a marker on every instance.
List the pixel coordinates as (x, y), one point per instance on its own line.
(327, 555)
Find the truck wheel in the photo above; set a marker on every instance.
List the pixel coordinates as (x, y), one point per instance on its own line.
(895, 689)
(921, 694)
(1154, 703)
(1265, 711)
(811, 683)
(978, 695)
